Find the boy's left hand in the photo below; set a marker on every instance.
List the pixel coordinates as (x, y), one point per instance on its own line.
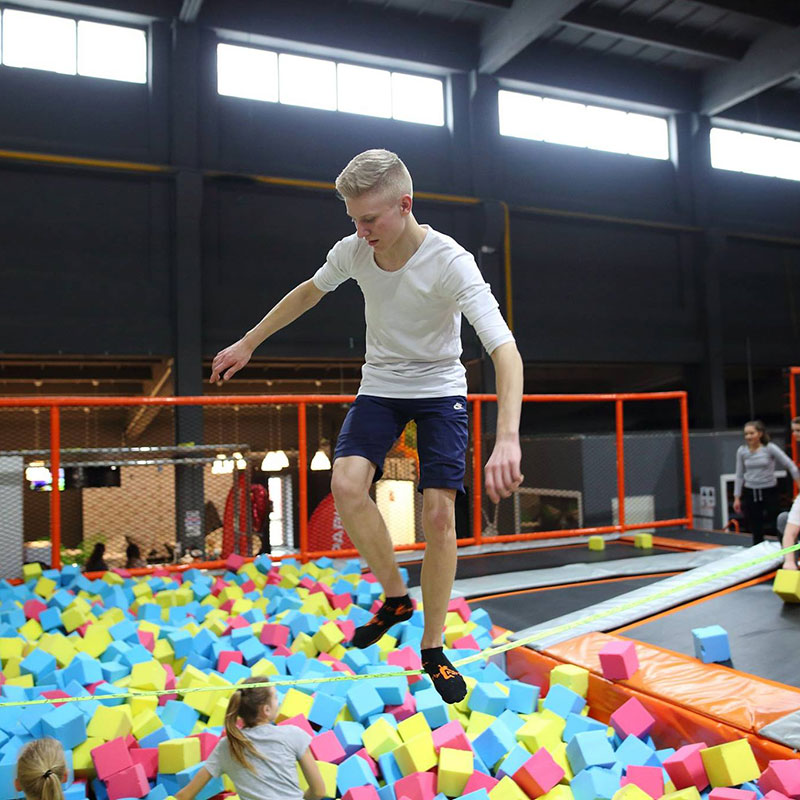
(502, 469)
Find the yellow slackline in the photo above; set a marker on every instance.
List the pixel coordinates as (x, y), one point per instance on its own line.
(484, 654)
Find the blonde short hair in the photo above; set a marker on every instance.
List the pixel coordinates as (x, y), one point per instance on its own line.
(374, 170)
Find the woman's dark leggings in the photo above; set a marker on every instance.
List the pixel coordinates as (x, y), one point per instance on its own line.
(760, 508)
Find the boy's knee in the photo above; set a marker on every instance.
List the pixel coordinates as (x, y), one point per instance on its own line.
(439, 521)
(346, 488)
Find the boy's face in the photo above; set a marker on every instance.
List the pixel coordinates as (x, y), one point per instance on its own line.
(796, 431)
(379, 218)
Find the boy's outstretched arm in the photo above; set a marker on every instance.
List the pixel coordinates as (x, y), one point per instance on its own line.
(195, 785)
(503, 467)
(230, 360)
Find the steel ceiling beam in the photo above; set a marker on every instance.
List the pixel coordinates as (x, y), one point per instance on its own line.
(782, 12)
(190, 9)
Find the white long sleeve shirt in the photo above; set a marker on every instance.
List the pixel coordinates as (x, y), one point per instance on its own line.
(413, 314)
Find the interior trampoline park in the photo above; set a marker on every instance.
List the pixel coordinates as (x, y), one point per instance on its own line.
(235, 483)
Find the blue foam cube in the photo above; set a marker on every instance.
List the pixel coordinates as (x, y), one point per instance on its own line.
(363, 701)
(488, 699)
(563, 701)
(66, 724)
(589, 749)
(354, 771)
(594, 784)
(494, 743)
(711, 644)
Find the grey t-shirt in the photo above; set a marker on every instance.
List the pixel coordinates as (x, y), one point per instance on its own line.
(756, 468)
(273, 779)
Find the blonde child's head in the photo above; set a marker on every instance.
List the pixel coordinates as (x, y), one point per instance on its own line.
(41, 769)
(379, 171)
(254, 706)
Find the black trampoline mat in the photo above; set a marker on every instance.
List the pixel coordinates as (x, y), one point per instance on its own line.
(762, 630)
(544, 558)
(522, 609)
(706, 537)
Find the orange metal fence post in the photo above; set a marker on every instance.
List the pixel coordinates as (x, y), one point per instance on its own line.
(55, 493)
(687, 466)
(477, 473)
(302, 469)
(620, 464)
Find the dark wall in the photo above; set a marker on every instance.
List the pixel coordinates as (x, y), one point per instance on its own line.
(88, 261)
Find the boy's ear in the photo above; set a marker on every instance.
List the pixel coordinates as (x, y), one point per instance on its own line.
(406, 204)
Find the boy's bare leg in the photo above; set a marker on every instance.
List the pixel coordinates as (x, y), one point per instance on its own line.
(790, 538)
(350, 483)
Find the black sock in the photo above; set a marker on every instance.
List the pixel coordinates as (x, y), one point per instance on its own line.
(393, 610)
(447, 680)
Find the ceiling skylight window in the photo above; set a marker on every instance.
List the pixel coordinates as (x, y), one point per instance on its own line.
(363, 90)
(309, 82)
(755, 154)
(38, 41)
(318, 83)
(112, 52)
(526, 116)
(247, 72)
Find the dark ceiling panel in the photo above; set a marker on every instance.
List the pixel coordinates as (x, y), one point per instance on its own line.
(783, 12)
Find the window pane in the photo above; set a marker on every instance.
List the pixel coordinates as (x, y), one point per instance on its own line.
(607, 129)
(111, 51)
(365, 91)
(39, 41)
(726, 149)
(755, 154)
(520, 115)
(564, 122)
(307, 82)
(247, 72)
(758, 154)
(647, 136)
(788, 159)
(416, 99)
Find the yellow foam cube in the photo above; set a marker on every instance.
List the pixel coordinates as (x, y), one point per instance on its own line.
(630, 792)
(11, 667)
(289, 581)
(316, 603)
(240, 606)
(218, 626)
(455, 768)
(45, 587)
(217, 715)
(148, 676)
(73, 617)
(386, 644)
(25, 681)
(539, 731)
(559, 754)
(31, 630)
(730, 764)
(462, 705)
(142, 591)
(507, 790)
(338, 652)
(175, 755)
(380, 737)
(416, 755)
(82, 763)
(31, 571)
(263, 668)
(163, 652)
(689, 793)
(327, 637)
(303, 643)
(145, 722)
(113, 579)
(191, 676)
(294, 702)
(210, 600)
(96, 641)
(110, 722)
(644, 541)
(111, 617)
(787, 585)
(412, 726)
(11, 647)
(454, 713)
(559, 722)
(575, 678)
(597, 543)
(559, 792)
(138, 704)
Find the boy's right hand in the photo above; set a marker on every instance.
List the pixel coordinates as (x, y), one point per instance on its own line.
(229, 361)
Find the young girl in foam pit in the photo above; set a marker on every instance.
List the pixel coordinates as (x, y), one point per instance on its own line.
(41, 769)
(260, 757)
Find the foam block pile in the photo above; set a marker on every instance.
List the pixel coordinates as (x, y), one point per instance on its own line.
(388, 738)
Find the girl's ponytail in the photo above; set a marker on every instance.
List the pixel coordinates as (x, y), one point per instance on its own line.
(41, 768)
(247, 704)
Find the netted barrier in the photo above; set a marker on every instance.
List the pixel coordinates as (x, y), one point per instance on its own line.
(153, 481)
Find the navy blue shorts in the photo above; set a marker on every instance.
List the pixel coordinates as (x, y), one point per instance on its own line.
(373, 424)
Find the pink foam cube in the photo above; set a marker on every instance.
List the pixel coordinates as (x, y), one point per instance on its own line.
(227, 605)
(234, 562)
(461, 607)
(774, 794)
(452, 736)
(307, 583)
(229, 657)
(618, 660)
(33, 608)
(369, 577)
(111, 757)
(649, 779)
(407, 709)
(282, 650)
(538, 775)
(632, 719)
(146, 639)
(218, 586)
(273, 634)
(327, 747)
(782, 776)
(368, 792)
(50, 694)
(466, 643)
(407, 658)
(416, 786)
(339, 666)
(208, 741)
(248, 586)
(478, 780)
(347, 627)
(299, 722)
(728, 793)
(148, 758)
(685, 767)
(131, 782)
(340, 601)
